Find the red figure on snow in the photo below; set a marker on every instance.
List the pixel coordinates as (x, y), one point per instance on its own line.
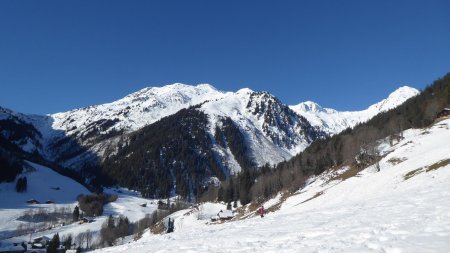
(261, 211)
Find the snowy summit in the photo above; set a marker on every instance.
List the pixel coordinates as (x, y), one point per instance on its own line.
(333, 121)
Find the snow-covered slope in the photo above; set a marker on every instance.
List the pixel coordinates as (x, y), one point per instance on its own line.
(18, 129)
(332, 121)
(402, 208)
(45, 184)
(273, 132)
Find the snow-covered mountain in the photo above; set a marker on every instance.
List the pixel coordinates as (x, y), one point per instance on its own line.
(269, 126)
(91, 131)
(84, 134)
(240, 129)
(133, 111)
(273, 131)
(214, 139)
(332, 121)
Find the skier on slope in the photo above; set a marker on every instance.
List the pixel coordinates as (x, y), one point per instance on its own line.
(261, 211)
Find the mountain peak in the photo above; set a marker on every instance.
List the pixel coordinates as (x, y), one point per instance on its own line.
(173, 88)
(397, 97)
(310, 106)
(332, 121)
(244, 91)
(404, 92)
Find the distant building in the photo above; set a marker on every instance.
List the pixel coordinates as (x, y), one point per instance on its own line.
(444, 113)
(223, 215)
(40, 242)
(86, 220)
(33, 201)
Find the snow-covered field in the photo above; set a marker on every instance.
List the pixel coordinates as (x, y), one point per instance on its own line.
(45, 184)
(405, 207)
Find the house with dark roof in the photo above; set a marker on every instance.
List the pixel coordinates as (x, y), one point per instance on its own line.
(444, 113)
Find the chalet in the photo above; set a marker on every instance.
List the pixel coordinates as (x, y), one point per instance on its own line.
(86, 220)
(223, 215)
(33, 201)
(444, 113)
(40, 242)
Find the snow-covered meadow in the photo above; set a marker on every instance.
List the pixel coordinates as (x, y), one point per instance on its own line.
(45, 184)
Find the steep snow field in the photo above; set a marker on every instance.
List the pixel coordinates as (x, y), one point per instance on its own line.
(404, 207)
(234, 105)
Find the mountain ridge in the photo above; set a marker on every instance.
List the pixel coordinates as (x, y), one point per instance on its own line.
(90, 124)
(332, 121)
(228, 132)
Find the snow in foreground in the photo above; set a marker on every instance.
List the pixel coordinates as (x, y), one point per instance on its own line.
(403, 208)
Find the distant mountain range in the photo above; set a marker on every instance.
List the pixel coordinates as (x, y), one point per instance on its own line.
(221, 132)
(332, 121)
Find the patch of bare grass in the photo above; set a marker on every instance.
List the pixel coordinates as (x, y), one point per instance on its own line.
(396, 160)
(413, 173)
(350, 172)
(435, 166)
(440, 164)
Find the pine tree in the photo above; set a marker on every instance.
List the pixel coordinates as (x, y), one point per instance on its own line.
(21, 185)
(110, 222)
(76, 214)
(18, 184)
(25, 184)
(54, 244)
(68, 242)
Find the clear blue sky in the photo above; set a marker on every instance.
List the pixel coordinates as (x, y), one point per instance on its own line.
(61, 55)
